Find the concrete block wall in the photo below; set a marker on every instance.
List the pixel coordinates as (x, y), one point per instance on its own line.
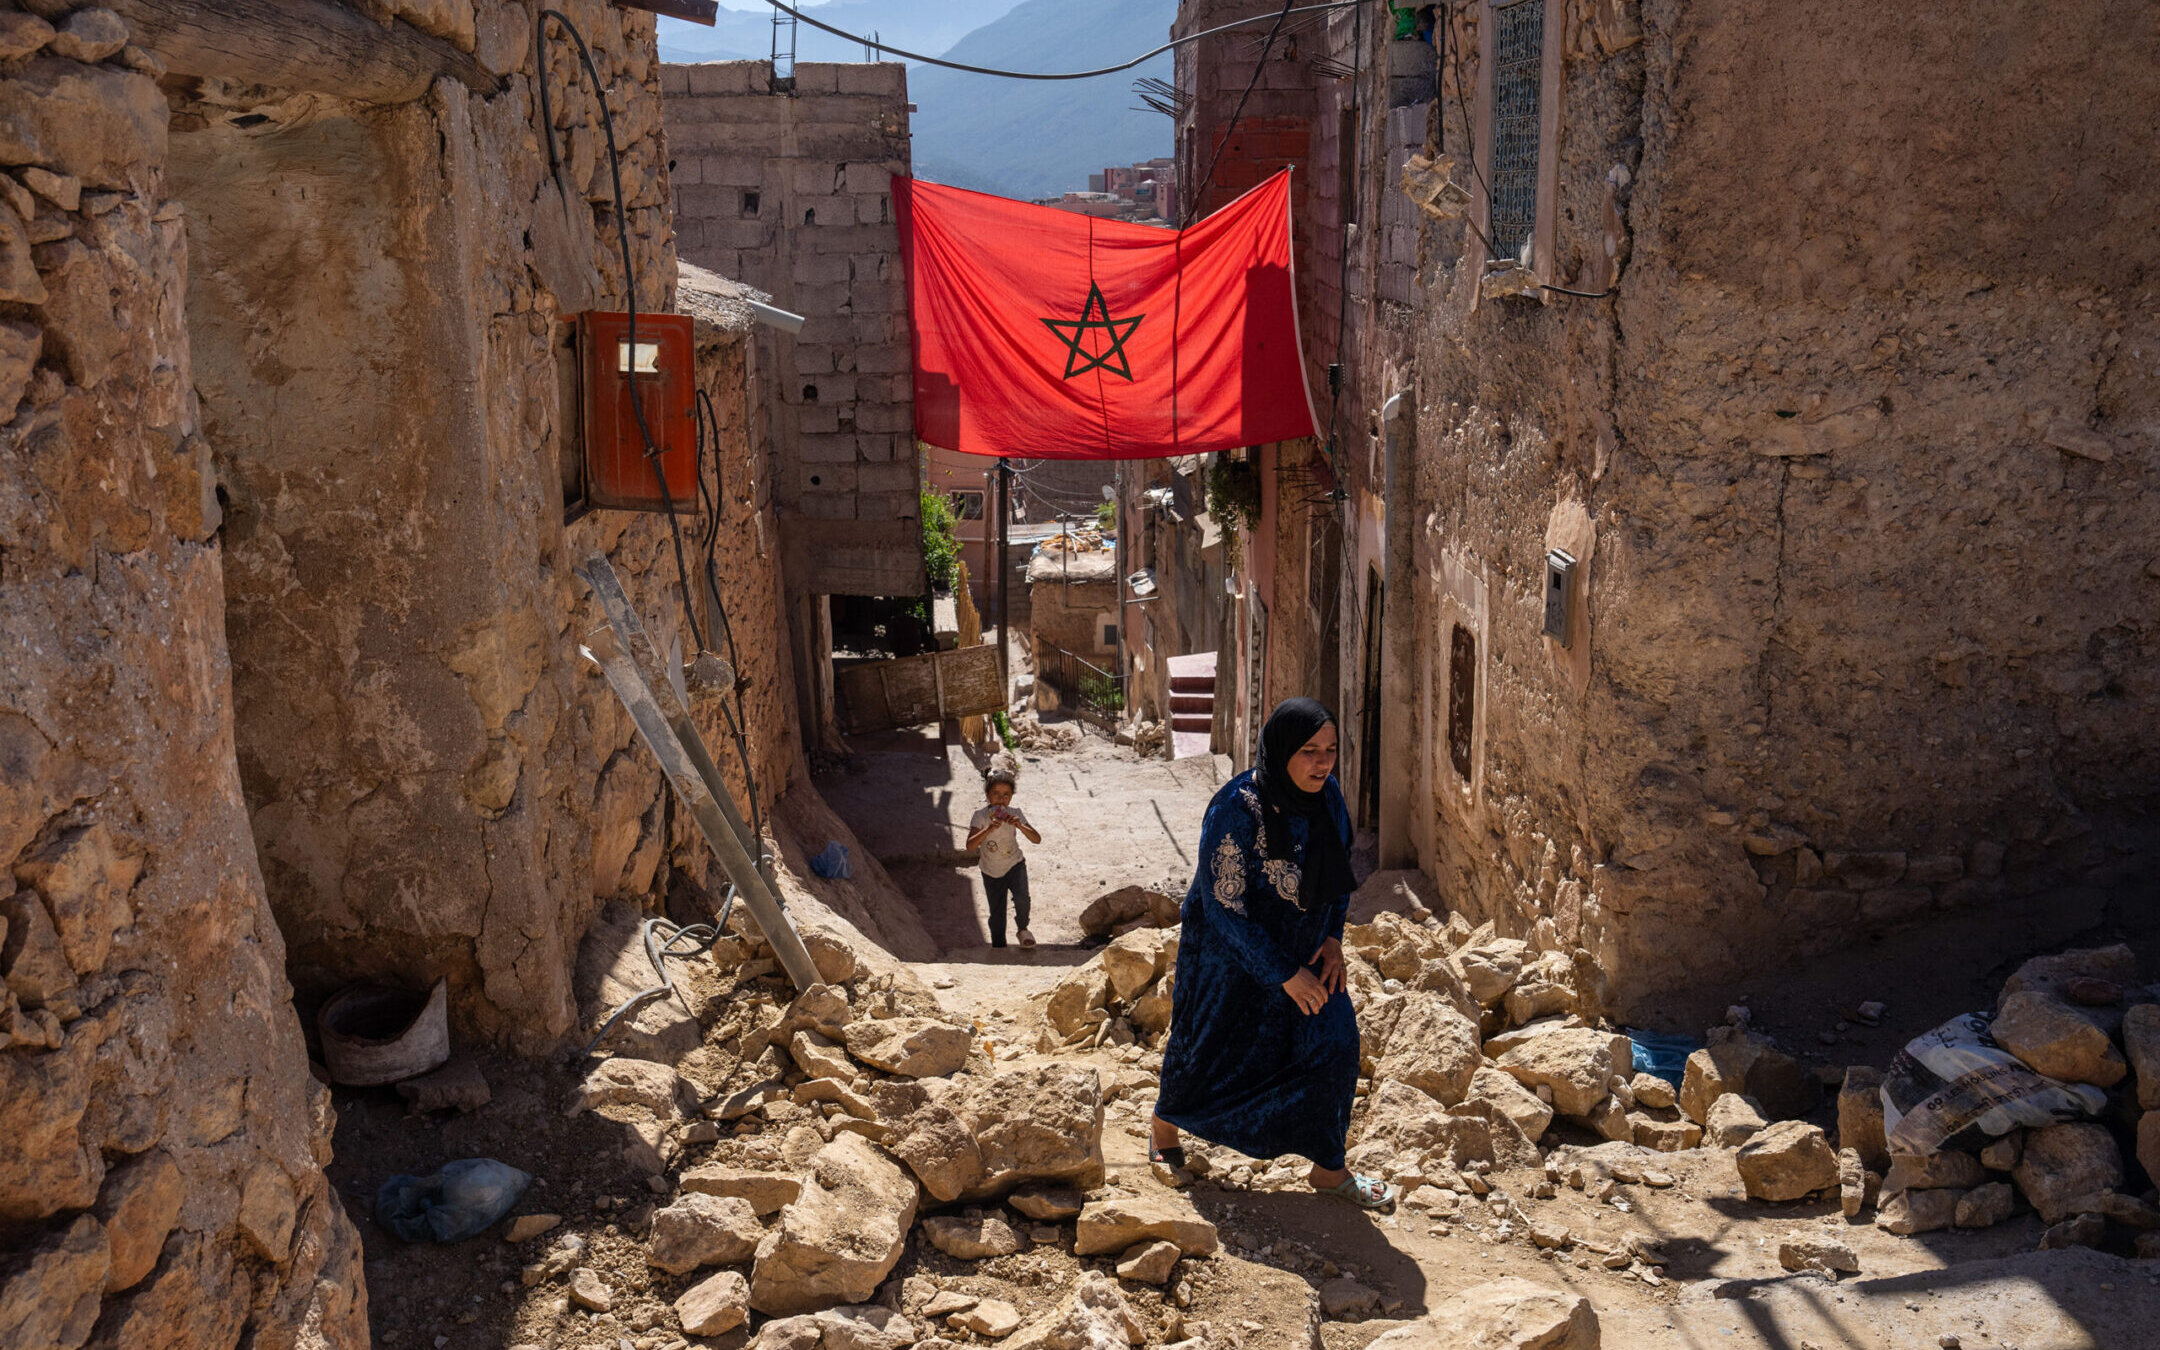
(791, 191)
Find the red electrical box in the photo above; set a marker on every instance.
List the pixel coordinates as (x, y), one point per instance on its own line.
(619, 475)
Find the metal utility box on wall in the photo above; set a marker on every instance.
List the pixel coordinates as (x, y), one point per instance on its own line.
(1559, 596)
(612, 471)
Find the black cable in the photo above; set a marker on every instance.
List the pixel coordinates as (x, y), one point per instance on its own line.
(1260, 64)
(1342, 281)
(622, 235)
(736, 723)
(1174, 43)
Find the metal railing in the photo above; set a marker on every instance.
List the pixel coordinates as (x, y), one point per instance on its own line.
(1084, 688)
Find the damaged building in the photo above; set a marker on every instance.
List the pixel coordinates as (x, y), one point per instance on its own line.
(296, 478)
(1758, 555)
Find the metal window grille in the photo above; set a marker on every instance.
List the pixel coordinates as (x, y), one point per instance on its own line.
(1518, 80)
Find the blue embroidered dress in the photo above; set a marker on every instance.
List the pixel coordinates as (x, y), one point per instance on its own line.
(1244, 1067)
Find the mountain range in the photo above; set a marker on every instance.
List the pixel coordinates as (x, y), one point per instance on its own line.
(1030, 138)
(1016, 138)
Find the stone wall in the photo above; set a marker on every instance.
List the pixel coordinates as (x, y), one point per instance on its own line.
(161, 1142)
(439, 785)
(1856, 462)
(791, 191)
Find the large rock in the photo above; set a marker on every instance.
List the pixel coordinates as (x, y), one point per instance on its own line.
(820, 1008)
(1860, 1115)
(1732, 1120)
(2052, 974)
(1817, 1251)
(1094, 1318)
(1787, 1161)
(1410, 1125)
(1910, 1212)
(2141, 1041)
(1133, 961)
(1518, 1103)
(1148, 1262)
(1107, 913)
(871, 1326)
(1986, 1206)
(818, 1056)
(716, 1304)
(1747, 1063)
(1577, 1064)
(1490, 969)
(980, 1140)
(138, 1206)
(1509, 1314)
(1949, 1170)
(95, 123)
(1433, 1048)
(632, 1082)
(1079, 993)
(703, 1230)
(1117, 1222)
(841, 1236)
(2056, 1040)
(972, 1237)
(914, 1047)
(2064, 1162)
(766, 1191)
(1546, 987)
(2148, 1143)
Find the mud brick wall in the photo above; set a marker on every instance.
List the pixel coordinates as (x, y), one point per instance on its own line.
(1858, 462)
(161, 1142)
(790, 191)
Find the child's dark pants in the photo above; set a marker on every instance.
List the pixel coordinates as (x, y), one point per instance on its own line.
(1014, 884)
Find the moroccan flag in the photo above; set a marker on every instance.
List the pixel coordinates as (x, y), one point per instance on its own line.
(1050, 335)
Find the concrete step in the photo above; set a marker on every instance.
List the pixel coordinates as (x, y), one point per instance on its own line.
(1201, 722)
(1192, 703)
(1192, 684)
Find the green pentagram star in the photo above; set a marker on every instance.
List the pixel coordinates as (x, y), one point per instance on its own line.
(1078, 359)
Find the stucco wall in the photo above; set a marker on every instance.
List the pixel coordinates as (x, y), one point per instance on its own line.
(1860, 457)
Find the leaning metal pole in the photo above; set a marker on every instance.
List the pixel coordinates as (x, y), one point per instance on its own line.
(627, 656)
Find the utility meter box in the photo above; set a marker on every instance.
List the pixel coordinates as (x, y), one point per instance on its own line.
(613, 383)
(1560, 596)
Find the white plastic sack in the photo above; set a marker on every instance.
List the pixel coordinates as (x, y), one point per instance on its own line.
(1955, 1088)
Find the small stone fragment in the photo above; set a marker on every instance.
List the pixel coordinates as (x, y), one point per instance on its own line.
(1947, 1170)
(2002, 1154)
(1653, 1091)
(588, 1290)
(992, 1318)
(1344, 1298)
(1048, 1202)
(1817, 1251)
(972, 1238)
(716, 1304)
(1787, 1161)
(526, 1227)
(2085, 1230)
(1910, 1212)
(1732, 1120)
(1148, 1262)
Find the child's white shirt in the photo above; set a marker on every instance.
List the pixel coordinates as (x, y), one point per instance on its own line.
(1000, 850)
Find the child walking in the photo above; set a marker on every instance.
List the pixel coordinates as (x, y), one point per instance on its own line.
(992, 831)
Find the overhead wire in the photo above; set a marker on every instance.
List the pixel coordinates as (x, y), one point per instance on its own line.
(736, 716)
(1200, 187)
(875, 45)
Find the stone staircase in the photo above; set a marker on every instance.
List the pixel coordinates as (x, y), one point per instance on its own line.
(1192, 704)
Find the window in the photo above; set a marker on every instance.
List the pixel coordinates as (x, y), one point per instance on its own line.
(1461, 697)
(749, 202)
(967, 504)
(1109, 635)
(1517, 89)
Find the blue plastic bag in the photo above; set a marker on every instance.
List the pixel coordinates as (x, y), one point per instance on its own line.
(832, 864)
(454, 1204)
(1662, 1054)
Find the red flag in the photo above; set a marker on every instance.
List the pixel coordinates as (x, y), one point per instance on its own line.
(1050, 335)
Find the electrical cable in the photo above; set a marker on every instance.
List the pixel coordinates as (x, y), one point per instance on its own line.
(705, 935)
(736, 717)
(1342, 282)
(1259, 64)
(1174, 43)
(622, 235)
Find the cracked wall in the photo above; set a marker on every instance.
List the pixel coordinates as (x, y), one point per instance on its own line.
(1864, 446)
(438, 786)
(161, 1141)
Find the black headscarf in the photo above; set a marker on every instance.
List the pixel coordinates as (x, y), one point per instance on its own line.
(1326, 873)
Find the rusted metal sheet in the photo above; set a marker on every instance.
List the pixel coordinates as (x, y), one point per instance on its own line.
(916, 690)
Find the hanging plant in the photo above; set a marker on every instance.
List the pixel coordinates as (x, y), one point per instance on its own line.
(1233, 498)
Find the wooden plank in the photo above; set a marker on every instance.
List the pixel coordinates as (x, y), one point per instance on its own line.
(706, 12)
(307, 45)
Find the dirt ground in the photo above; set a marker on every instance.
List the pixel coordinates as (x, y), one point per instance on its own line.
(1709, 1274)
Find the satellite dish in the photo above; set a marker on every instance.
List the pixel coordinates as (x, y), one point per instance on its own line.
(1109, 494)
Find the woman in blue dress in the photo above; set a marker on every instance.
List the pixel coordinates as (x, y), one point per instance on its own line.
(1263, 1049)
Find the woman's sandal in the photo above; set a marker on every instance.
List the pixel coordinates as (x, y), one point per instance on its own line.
(1171, 1157)
(1364, 1192)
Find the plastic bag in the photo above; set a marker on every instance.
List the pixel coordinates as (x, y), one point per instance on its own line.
(1662, 1054)
(832, 864)
(454, 1204)
(1955, 1088)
